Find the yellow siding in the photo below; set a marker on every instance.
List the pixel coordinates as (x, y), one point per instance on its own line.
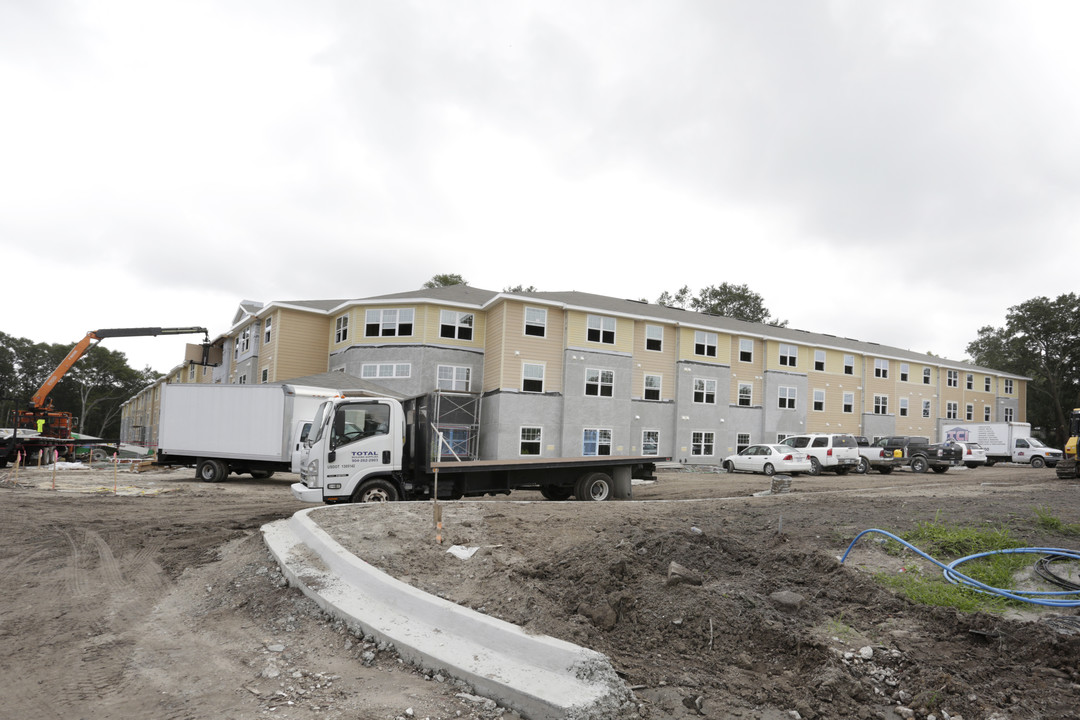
(687, 345)
(356, 328)
(653, 362)
(832, 418)
(299, 344)
(494, 344)
(577, 324)
(746, 372)
(429, 322)
(548, 351)
(804, 357)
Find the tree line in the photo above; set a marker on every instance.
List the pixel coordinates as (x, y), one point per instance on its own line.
(92, 390)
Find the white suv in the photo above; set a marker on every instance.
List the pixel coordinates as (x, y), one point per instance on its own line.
(839, 452)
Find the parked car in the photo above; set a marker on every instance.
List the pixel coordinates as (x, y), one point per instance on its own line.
(769, 460)
(872, 456)
(836, 452)
(920, 454)
(974, 454)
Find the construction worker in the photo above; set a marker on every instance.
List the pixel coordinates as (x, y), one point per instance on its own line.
(41, 425)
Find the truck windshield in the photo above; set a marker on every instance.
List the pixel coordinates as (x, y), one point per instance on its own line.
(317, 423)
(1035, 443)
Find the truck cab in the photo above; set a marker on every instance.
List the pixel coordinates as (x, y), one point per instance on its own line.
(353, 443)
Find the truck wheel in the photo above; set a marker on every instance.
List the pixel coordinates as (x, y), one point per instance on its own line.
(211, 471)
(593, 486)
(98, 455)
(815, 466)
(262, 474)
(940, 469)
(554, 492)
(863, 467)
(919, 465)
(1038, 463)
(376, 491)
(990, 463)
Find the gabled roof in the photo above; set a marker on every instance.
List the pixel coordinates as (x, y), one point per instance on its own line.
(337, 380)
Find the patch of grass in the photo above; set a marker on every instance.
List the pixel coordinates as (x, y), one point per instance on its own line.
(946, 542)
(836, 627)
(1046, 520)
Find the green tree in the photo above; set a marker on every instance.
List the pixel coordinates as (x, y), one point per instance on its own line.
(1040, 340)
(738, 302)
(520, 289)
(445, 280)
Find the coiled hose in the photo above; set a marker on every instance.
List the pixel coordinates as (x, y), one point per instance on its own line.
(1052, 598)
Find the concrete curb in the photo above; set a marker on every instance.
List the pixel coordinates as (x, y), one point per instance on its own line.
(536, 675)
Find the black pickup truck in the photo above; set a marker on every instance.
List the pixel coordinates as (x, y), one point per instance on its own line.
(921, 455)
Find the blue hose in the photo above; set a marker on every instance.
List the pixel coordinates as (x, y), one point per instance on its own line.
(1047, 598)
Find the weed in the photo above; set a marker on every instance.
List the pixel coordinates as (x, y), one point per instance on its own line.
(1047, 521)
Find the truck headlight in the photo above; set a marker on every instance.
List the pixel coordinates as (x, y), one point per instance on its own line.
(311, 470)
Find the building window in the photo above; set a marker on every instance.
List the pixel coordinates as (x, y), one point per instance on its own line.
(265, 378)
(242, 380)
(650, 442)
(268, 325)
(191, 372)
(652, 387)
(904, 372)
(952, 410)
(746, 394)
(530, 441)
(392, 322)
(849, 402)
(819, 360)
(341, 329)
(701, 443)
(849, 364)
(881, 404)
(969, 412)
(986, 384)
(601, 329)
(819, 400)
(742, 441)
(786, 396)
(599, 383)
(532, 377)
(926, 408)
(746, 350)
(596, 441)
(705, 343)
(1008, 386)
(970, 382)
(781, 437)
(455, 325)
(903, 407)
(881, 368)
(952, 378)
(986, 413)
(1008, 414)
(704, 391)
(926, 376)
(789, 355)
(386, 370)
(536, 322)
(654, 338)
(453, 377)
(245, 339)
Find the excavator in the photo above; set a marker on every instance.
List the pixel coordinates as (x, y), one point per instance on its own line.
(57, 425)
(1066, 467)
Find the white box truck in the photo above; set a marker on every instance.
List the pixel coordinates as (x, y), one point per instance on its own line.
(1003, 442)
(224, 429)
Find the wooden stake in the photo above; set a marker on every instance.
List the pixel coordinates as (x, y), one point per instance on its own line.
(116, 467)
(55, 461)
(437, 510)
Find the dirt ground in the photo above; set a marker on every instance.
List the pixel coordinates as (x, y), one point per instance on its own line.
(151, 595)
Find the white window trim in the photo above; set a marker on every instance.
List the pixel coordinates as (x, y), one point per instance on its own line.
(456, 321)
(751, 343)
(386, 370)
(790, 394)
(542, 323)
(846, 403)
(705, 391)
(659, 388)
(602, 321)
(454, 380)
(789, 353)
(539, 440)
(711, 443)
(600, 384)
(341, 328)
(708, 340)
(543, 377)
(813, 404)
(650, 454)
(649, 328)
(738, 394)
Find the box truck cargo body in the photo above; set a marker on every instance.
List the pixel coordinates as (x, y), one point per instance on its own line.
(223, 429)
(1003, 442)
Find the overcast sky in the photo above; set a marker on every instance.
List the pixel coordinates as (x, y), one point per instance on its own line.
(894, 171)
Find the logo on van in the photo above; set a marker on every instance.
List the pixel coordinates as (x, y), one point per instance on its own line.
(365, 456)
(958, 434)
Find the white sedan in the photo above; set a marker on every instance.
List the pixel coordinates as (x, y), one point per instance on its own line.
(769, 460)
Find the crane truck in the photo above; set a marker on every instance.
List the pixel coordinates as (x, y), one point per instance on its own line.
(1066, 467)
(43, 427)
(426, 447)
